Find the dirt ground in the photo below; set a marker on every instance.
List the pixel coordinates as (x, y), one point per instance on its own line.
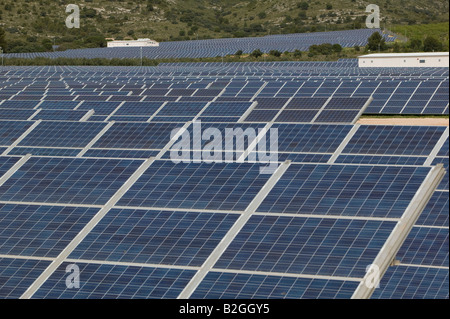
(405, 121)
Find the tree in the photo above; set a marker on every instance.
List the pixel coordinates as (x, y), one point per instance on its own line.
(275, 53)
(337, 48)
(239, 53)
(297, 53)
(431, 44)
(376, 42)
(2, 39)
(257, 53)
(303, 5)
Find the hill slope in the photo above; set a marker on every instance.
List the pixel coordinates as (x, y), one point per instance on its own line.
(34, 25)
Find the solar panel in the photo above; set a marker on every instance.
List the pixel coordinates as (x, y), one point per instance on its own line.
(381, 160)
(345, 190)
(18, 274)
(310, 138)
(306, 103)
(202, 186)
(13, 114)
(401, 282)
(155, 237)
(137, 136)
(394, 140)
(425, 246)
(436, 211)
(65, 180)
(222, 285)
(333, 116)
(10, 131)
(290, 245)
(103, 281)
(292, 116)
(41, 231)
(139, 108)
(62, 134)
(41, 151)
(6, 163)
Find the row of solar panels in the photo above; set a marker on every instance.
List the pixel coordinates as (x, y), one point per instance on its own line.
(218, 47)
(403, 97)
(347, 68)
(309, 110)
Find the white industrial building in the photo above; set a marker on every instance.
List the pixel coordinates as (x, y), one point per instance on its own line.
(411, 60)
(132, 43)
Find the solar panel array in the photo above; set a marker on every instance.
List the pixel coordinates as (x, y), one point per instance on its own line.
(220, 47)
(88, 181)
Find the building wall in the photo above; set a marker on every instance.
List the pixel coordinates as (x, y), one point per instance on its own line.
(416, 61)
(121, 44)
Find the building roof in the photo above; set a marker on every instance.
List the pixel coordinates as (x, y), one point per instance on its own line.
(396, 55)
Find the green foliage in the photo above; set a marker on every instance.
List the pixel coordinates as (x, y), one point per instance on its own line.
(257, 53)
(275, 53)
(376, 42)
(25, 20)
(431, 44)
(2, 39)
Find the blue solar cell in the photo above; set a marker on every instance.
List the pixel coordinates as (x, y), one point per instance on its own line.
(340, 116)
(58, 105)
(129, 118)
(155, 237)
(40, 231)
(436, 211)
(227, 109)
(270, 103)
(443, 160)
(60, 115)
(349, 190)
(182, 109)
(100, 107)
(38, 151)
(395, 140)
(116, 282)
(10, 131)
(347, 103)
(261, 116)
(139, 108)
(444, 150)
(296, 116)
(402, 282)
(306, 103)
(62, 134)
(202, 186)
(219, 285)
(381, 160)
(310, 138)
(425, 246)
(120, 153)
(18, 274)
(64, 180)
(314, 246)
(19, 104)
(137, 136)
(13, 114)
(6, 163)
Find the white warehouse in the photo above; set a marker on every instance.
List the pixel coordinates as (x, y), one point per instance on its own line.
(132, 43)
(411, 60)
